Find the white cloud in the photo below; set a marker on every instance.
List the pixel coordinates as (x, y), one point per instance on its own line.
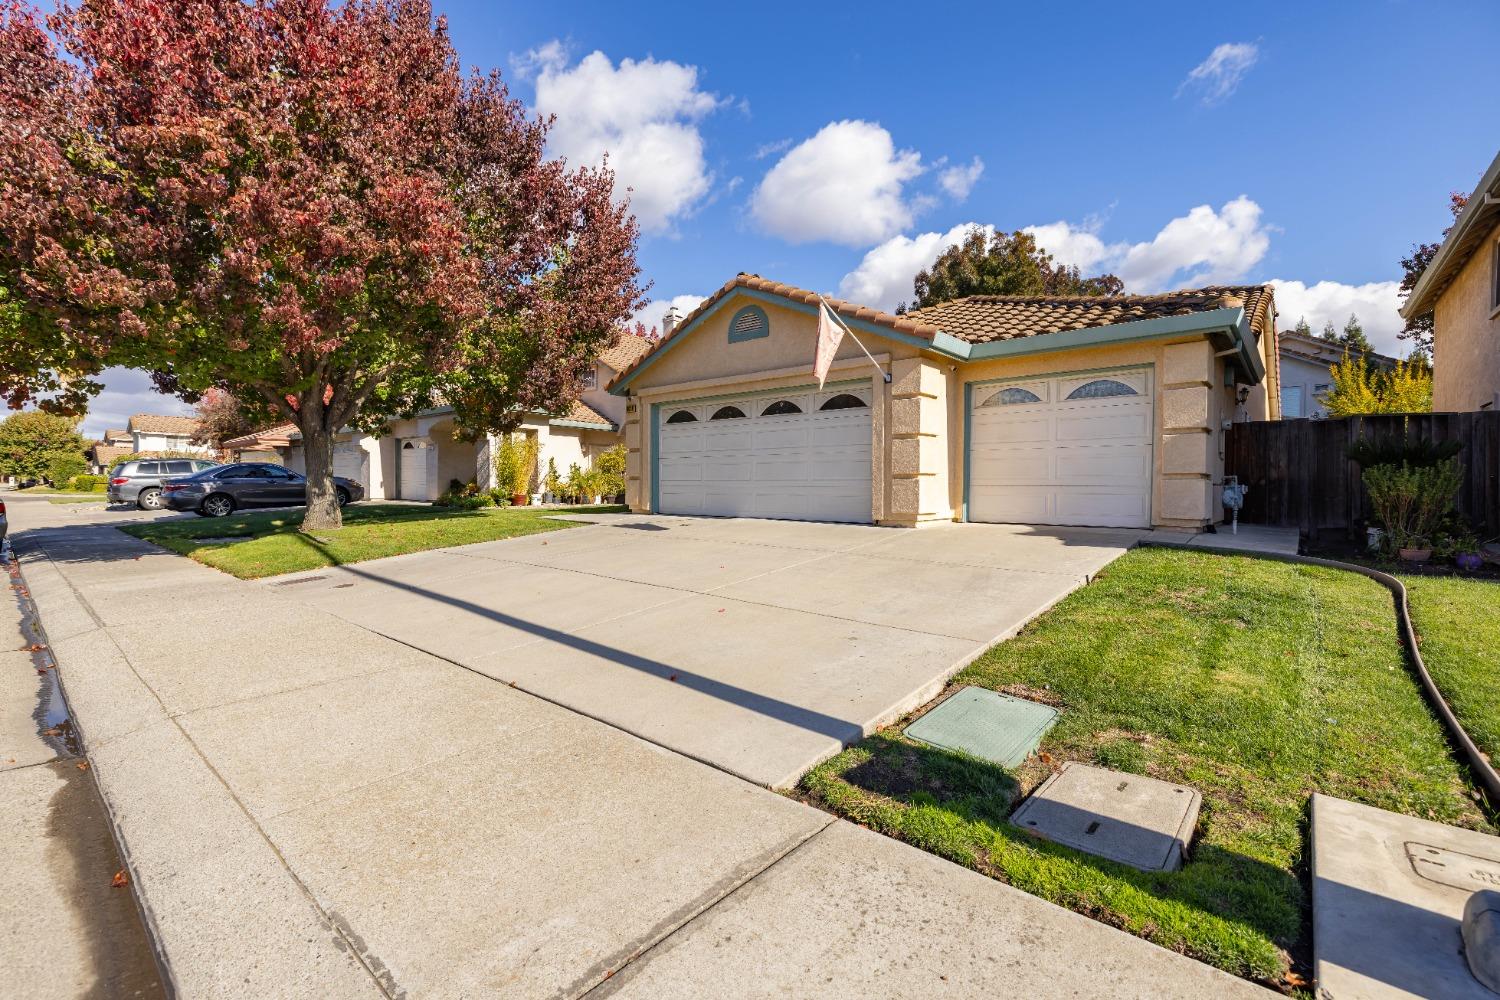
(652, 312)
(959, 181)
(883, 278)
(1375, 303)
(1219, 76)
(126, 393)
(643, 114)
(843, 185)
(772, 148)
(1203, 247)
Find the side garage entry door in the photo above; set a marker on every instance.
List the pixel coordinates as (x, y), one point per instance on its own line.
(1067, 450)
(798, 454)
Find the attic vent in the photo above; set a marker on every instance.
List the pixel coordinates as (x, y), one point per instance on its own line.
(748, 324)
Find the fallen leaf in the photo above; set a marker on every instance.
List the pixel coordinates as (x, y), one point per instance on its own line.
(1045, 758)
(54, 731)
(672, 678)
(83, 765)
(121, 880)
(33, 648)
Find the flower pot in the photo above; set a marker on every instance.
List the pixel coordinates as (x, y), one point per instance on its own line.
(598, 500)
(519, 500)
(1415, 555)
(1468, 561)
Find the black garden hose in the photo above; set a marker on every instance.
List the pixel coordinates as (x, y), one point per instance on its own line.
(1484, 773)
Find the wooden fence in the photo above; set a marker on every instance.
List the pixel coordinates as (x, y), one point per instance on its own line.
(1300, 475)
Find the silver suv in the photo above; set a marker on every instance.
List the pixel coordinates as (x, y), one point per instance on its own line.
(139, 481)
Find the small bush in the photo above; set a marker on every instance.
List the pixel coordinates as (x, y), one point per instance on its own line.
(63, 467)
(88, 483)
(515, 462)
(1411, 501)
(610, 468)
(465, 501)
(1422, 453)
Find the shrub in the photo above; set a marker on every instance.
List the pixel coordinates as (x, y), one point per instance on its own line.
(515, 462)
(88, 483)
(1424, 453)
(1411, 500)
(464, 501)
(610, 467)
(63, 467)
(552, 483)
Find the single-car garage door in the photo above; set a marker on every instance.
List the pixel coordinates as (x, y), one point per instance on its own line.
(802, 454)
(1072, 449)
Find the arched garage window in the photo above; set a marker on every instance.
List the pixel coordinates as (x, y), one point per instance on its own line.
(1012, 396)
(1101, 388)
(727, 413)
(843, 401)
(682, 417)
(780, 408)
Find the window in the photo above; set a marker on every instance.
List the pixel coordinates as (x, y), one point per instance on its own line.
(682, 417)
(1495, 284)
(1012, 396)
(780, 408)
(727, 413)
(178, 468)
(1291, 402)
(148, 469)
(1102, 388)
(843, 401)
(230, 472)
(591, 379)
(201, 466)
(748, 324)
(255, 472)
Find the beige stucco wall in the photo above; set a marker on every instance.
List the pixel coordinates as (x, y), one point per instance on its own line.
(918, 418)
(1466, 335)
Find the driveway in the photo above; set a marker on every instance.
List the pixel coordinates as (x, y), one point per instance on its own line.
(760, 647)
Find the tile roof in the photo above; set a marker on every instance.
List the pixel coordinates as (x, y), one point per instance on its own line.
(157, 423)
(580, 412)
(107, 453)
(983, 319)
(627, 351)
(1314, 348)
(276, 434)
(116, 435)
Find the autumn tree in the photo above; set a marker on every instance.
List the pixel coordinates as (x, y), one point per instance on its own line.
(1001, 264)
(1359, 387)
(220, 417)
(302, 203)
(1418, 329)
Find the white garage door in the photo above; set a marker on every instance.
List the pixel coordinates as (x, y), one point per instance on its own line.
(413, 469)
(799, 454)
(349, 462)
(1073, 449)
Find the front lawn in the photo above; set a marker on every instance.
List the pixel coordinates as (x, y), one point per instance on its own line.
(272, 544)
(1255, 682)
(1458, 628)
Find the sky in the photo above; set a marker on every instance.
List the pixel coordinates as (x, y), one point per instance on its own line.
(842, 147)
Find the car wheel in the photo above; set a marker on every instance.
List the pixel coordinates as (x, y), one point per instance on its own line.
(342, 495)
(149, 500)
(218, 505)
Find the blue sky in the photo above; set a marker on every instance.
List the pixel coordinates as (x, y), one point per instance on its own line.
(837, 148)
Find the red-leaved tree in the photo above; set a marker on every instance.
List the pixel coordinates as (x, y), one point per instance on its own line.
(302, 203)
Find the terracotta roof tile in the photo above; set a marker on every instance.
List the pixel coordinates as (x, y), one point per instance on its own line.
(582, 413)
(627, 351)
(158, 423)
(104, 454)
(111, 436)
(266, 435)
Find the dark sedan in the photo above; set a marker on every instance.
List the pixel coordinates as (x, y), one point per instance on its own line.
(220, 491)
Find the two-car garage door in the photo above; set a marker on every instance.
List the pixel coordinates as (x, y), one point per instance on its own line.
(1073, 449)
(799, 453)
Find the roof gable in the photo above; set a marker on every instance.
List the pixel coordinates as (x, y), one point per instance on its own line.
(1473, 224)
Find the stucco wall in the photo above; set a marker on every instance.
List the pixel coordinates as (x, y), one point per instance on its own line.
(1307, 376)
(167, 442)
(1466, 336)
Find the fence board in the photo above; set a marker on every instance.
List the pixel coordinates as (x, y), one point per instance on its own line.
(1300, 475)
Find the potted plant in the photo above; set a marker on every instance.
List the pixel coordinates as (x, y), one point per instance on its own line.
(551, 483)
(1411, 501)
(515, 464)
(1417, 550)
(574, 485)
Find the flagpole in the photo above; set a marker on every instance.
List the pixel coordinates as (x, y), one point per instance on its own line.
(833, 314)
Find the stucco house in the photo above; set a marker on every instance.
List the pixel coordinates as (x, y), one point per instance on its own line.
(416, 458)
(161, 432)
(117, 444)
(1305, 376)
(1081, 411)
(1461, 288)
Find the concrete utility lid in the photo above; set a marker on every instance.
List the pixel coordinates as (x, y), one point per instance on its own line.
(1137, 821)
(986, 724)
(1389, 893)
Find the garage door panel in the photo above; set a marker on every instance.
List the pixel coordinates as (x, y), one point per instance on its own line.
(1020, 429)
(1012, 505)
(1011, 467)
(1120, 425)
(1085, 507)
(1122, 464)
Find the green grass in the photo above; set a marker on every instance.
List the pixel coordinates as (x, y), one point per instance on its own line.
(1255, 682)
(1458, 626)
(79, 498)
(274, 544)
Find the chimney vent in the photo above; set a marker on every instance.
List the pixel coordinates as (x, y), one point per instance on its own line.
(670, 319)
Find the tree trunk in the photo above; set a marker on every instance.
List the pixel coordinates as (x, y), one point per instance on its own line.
(322, 501)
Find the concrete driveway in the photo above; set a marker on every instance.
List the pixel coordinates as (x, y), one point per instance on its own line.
(760, 647)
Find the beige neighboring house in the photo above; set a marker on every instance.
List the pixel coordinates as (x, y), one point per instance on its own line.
(1305, 372)
(115, 446)
(1077, 411)
(1461, 288)
(416, 458)
(160, 432)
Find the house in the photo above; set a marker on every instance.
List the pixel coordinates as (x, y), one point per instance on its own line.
(159, 432)
(1082, 411)
(416, 458)
(1461, 288)
(1305, 376)
(115, 446)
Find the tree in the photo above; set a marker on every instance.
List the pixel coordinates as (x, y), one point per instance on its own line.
(1418, 329)
(1351, 339)
(1360, 388)
(220, 417)
(1003, 265)
(31, 440)
(1302, 328)
(64, 466)
(302, 203)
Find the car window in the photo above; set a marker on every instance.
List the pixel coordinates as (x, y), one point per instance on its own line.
(202, 466)
(276, 472)
(254, 472)
(148, 469)
(178, 468)
(229, 472)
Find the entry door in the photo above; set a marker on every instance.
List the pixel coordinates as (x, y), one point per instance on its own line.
(798, 454)
(413, 470)
(1072, 449)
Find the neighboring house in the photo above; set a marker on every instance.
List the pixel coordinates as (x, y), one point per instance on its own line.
(1084, 411)
(159, 432)
(1305, 375)
(415, 459)
(115, 446)
(1461, 288)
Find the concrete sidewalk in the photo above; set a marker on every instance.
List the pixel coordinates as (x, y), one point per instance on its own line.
(314, 810)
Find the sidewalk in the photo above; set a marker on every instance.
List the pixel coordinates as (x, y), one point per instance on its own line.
(311, 809)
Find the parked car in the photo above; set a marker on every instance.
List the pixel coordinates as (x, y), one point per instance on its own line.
(139, 480)
(2, 521)
(220, 491)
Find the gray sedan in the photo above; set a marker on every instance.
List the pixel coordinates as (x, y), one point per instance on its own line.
(221, 491)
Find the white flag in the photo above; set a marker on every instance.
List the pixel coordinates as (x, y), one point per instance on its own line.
(830, 335)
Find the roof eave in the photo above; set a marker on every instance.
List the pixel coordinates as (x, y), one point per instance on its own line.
(1483, 204)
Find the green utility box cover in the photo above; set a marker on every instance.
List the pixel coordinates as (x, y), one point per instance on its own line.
(986, 724)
